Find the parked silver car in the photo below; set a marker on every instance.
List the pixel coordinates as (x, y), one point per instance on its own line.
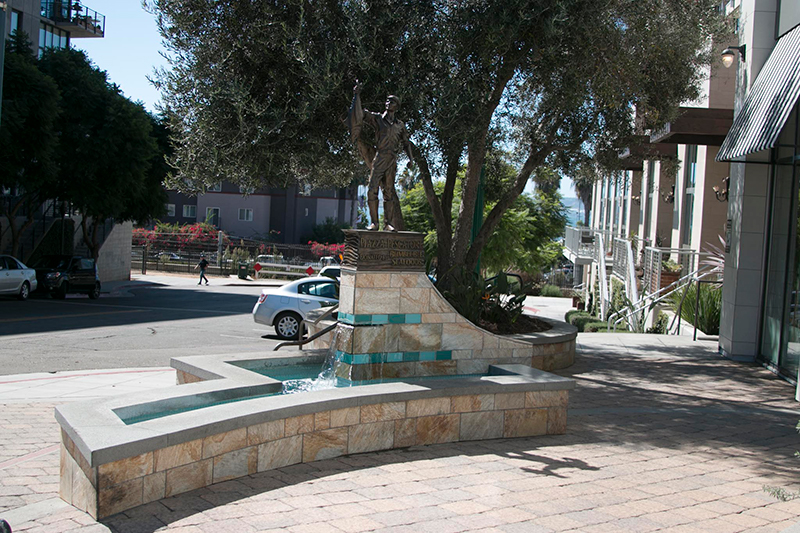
(286, 306)
(16, 279)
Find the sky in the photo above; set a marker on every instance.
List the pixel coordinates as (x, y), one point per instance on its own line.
(129, 52)
(130, 49)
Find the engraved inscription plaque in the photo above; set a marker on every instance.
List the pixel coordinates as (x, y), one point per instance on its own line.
(401, 251)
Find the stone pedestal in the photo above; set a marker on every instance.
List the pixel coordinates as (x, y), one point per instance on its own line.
(393, 323)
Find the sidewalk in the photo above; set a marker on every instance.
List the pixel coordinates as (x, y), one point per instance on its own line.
(663, 434)
(184, 280)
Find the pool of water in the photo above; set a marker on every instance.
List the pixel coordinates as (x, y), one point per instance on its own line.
(295, 379)
(307, 378)
(161, 413)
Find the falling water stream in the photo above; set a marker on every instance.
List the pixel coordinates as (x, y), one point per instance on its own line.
(326, 379)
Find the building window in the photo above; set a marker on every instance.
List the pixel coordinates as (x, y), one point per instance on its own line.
(246, 214)
(305, 190)
(217, 187)
(190, 211)
(170, 210)
(622, 202)
(247, 191)
(52, 37)
(212, 215)
(601, 204)
(690, 175)
(647, 204)
(16, 21)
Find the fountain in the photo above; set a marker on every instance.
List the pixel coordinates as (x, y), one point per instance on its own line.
(416, 372)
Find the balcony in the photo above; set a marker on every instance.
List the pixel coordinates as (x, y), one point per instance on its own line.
(579, 245)
(696, 125)
(79, 21)
(631, 158)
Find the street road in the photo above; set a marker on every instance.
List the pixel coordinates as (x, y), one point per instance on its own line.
(141, 327)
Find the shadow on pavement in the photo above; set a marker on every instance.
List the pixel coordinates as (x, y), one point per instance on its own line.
(677, 411)
(43, 314)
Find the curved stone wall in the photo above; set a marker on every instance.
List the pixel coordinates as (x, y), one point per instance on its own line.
(109, 466)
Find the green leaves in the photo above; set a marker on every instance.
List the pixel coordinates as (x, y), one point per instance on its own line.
(67, 133)
(257, 90)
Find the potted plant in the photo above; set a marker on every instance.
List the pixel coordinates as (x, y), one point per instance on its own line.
(577, 300)
(670, 272)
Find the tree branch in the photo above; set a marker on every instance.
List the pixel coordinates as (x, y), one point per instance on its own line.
(453, 159)
(427, 183)
(535, 159)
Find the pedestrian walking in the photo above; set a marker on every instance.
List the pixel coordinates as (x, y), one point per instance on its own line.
(202, 265)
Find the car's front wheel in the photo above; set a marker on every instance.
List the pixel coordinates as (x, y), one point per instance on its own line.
(24, 291)
(287, 325)
(94, 294)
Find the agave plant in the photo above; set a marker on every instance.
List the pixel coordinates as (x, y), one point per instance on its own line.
(716, 258)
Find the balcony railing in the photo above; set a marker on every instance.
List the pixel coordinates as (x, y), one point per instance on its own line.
(580, 244)
(624, 267)
(655, 277)
(79, 20)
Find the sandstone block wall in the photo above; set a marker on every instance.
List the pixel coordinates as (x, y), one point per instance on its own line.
(110, 488)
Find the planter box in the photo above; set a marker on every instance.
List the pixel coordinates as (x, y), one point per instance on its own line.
(668, 278)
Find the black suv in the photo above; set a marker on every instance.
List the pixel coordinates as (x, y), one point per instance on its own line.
(62, 274)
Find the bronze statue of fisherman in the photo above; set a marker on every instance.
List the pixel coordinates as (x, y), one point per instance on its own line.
(391, 137)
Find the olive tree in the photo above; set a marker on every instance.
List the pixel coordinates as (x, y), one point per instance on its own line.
(257, 90)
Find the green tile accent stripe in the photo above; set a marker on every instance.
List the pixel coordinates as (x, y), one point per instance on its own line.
(377, 320)
(392, 357)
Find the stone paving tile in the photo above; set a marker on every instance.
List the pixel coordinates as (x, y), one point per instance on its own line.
(660, 437)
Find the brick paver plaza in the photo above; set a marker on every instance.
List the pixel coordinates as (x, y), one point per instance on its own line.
(663, 434)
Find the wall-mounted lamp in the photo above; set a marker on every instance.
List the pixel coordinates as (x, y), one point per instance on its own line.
(670, 198)
(637, 200)
(728, 55)
(722, 194)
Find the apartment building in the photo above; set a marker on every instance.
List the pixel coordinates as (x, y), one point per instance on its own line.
(762, 269)
(287, 215)
(664, 204)
(53, 23)
(726, 167)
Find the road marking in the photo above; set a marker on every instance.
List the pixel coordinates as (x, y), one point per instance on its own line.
(143, 308)
(61, 317)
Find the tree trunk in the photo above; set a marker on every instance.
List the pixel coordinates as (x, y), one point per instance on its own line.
(476, 155)
(536, 158)
(90, 235)
(585, 196)
(11, 216)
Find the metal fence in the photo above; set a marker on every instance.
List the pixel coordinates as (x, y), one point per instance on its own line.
(171, 253)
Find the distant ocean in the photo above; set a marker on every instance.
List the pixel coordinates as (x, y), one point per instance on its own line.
(574, 210)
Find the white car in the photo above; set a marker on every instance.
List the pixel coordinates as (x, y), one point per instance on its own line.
(332, 270)
(285, 307)
(15, 278)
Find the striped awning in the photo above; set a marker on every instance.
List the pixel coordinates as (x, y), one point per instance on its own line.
(767, 106)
